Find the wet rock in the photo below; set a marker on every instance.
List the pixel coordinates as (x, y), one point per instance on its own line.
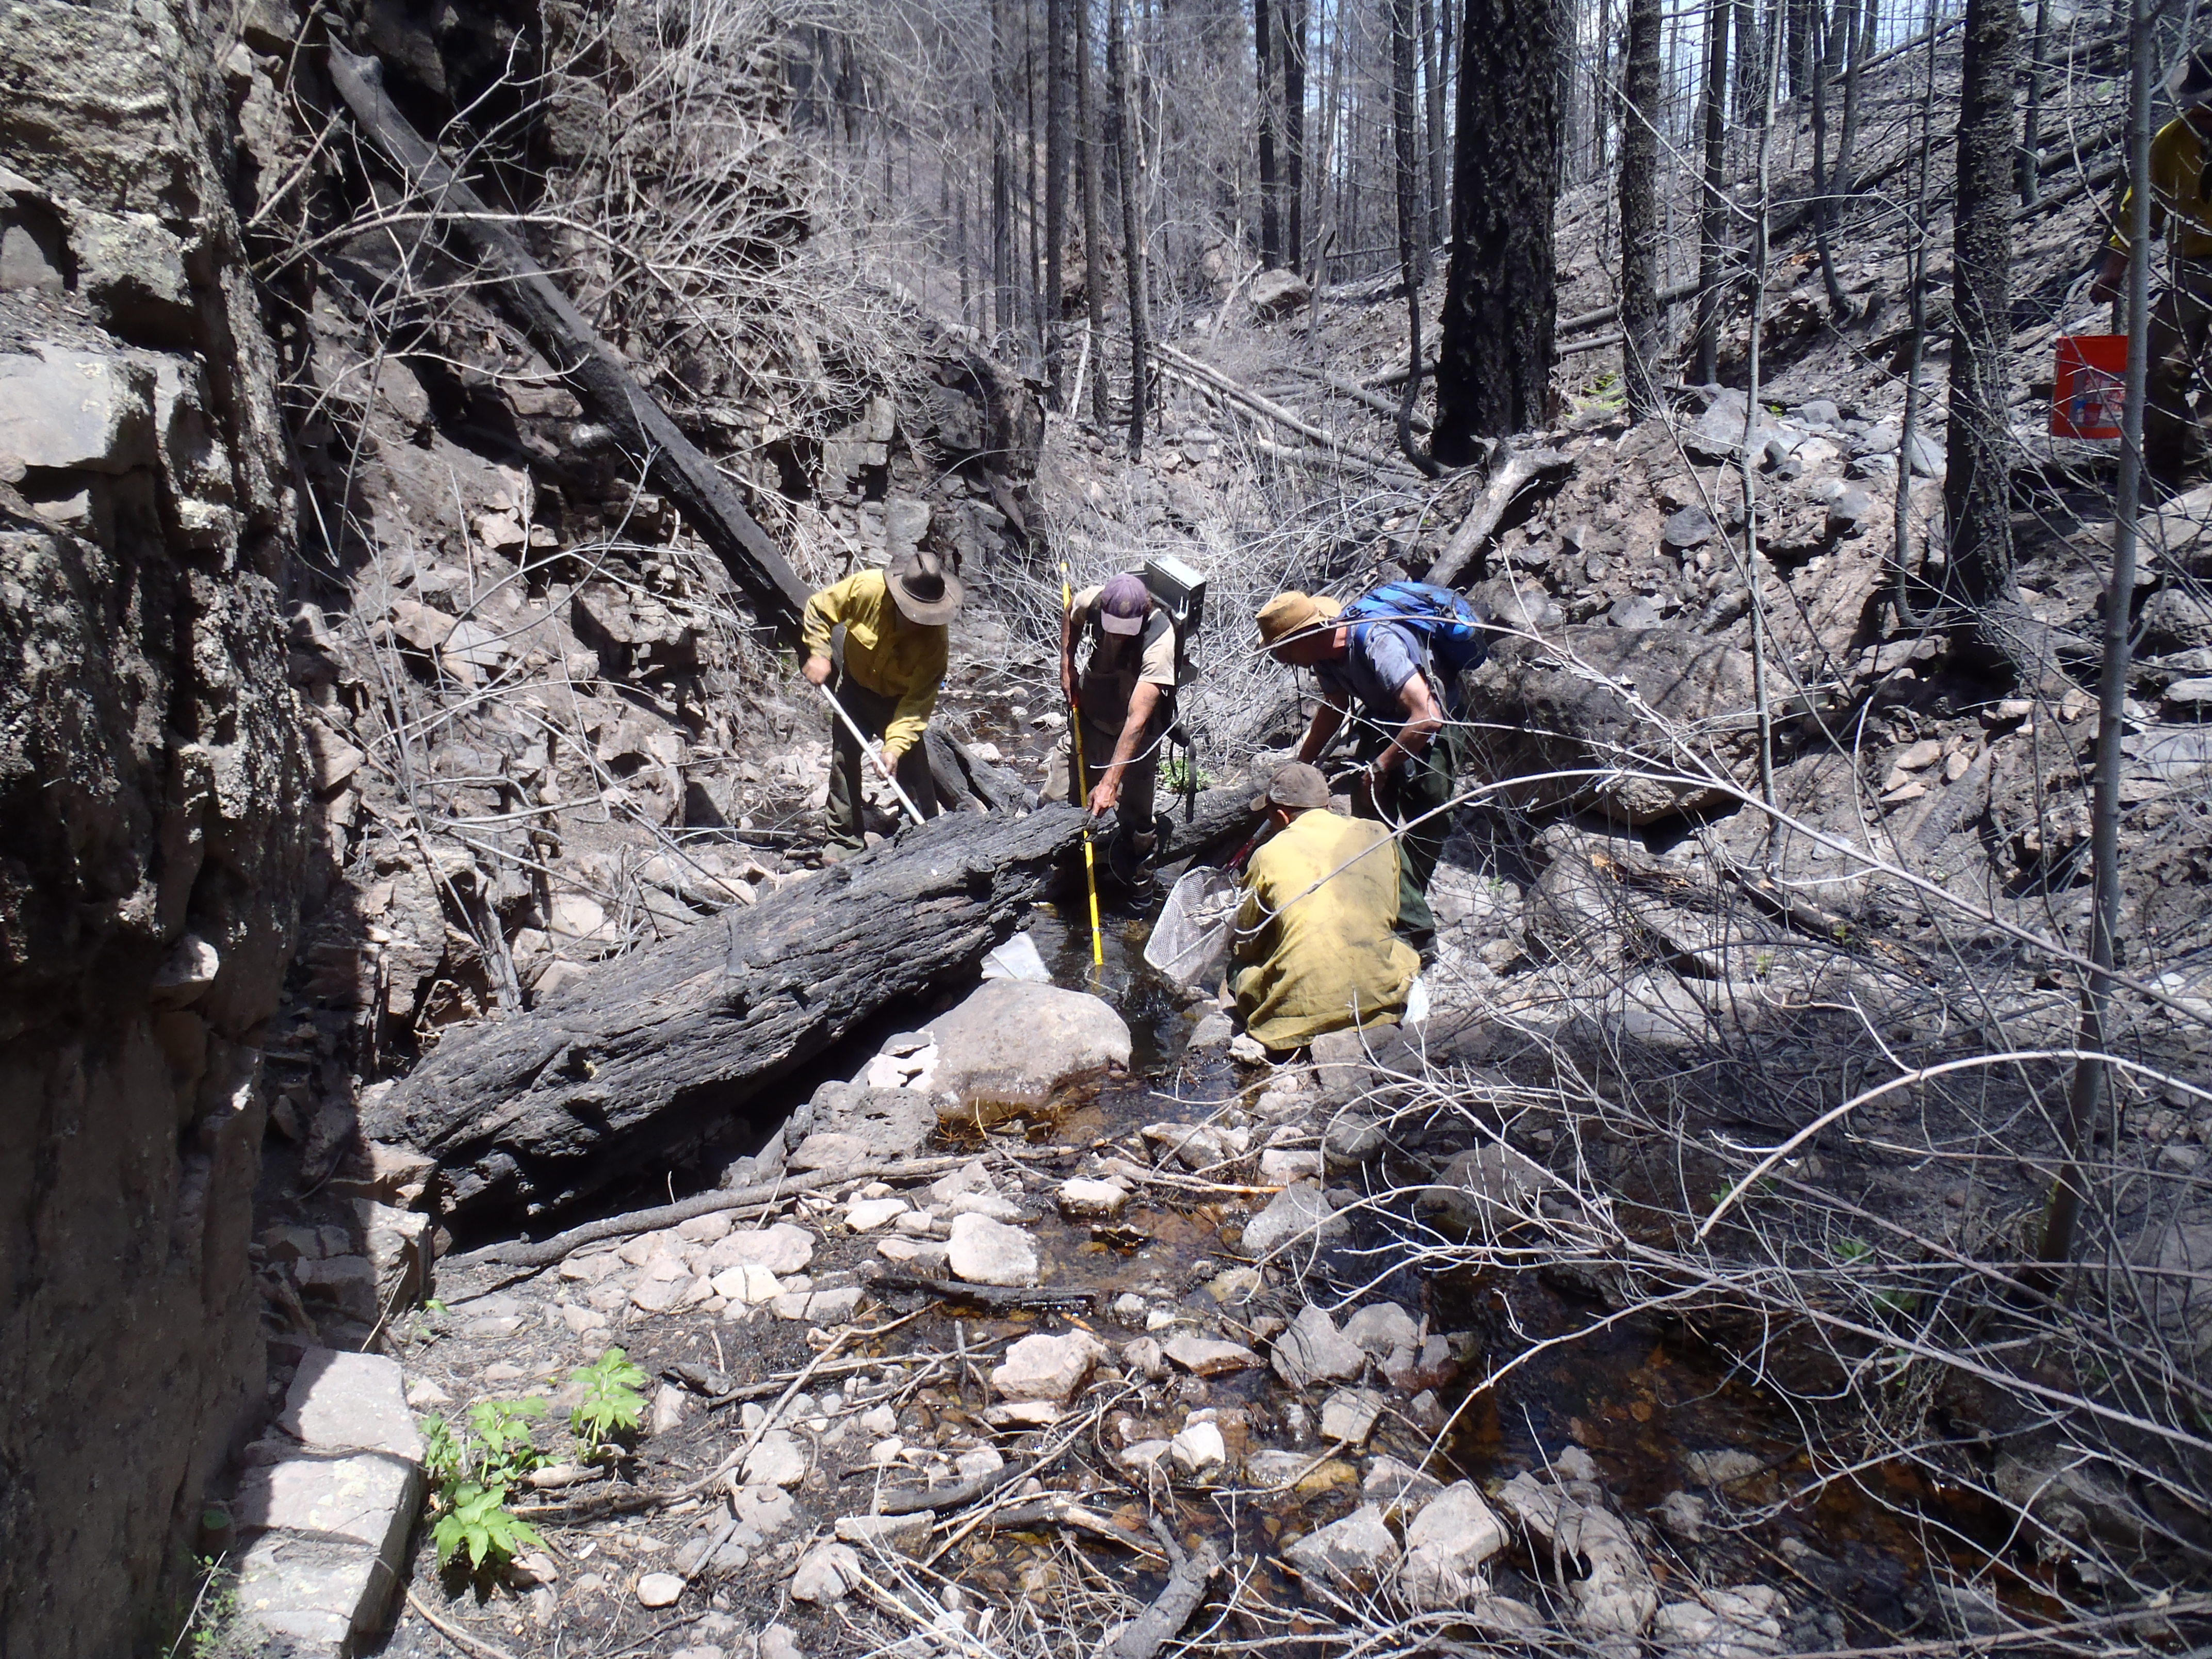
(1489, 1189)
(782, 1248)
(660, 1590)
(1051, 1368)
(1204, 1356)
(1146, 1357)
(1299, 1216)
(1091, 1200)
(1347, 1416)
(1617, 1596)
(987, 1251)
(1197, 1146)
(1723, 1467)
(1397, 1486)
(1199, 1448)
(1354, 1553)
(1015, 1041)
(1683, 1515)
(1742, 1623)
(1381, 1329)
(1130, 1309)
(1213, 1032)
(1312, 1349)
(1143, 1457)
(1453, 1534)
(1279, 1166)
(827, 1573)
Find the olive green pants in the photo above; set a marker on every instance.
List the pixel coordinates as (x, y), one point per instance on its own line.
(1422, 789)
(871, 712)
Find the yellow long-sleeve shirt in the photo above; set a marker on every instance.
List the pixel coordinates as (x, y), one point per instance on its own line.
(1321, 902)
(885, 651)
(2177, 158)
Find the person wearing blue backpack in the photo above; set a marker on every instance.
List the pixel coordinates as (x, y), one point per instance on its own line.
(1391, 661)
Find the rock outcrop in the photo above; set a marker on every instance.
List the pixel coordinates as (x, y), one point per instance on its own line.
(151, 773)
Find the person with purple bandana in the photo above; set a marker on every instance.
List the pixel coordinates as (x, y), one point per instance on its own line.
(1125, 693)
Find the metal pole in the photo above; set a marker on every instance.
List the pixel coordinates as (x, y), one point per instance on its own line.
(870, 750)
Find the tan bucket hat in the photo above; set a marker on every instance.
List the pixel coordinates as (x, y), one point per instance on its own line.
(925, 593)
(1293, 613)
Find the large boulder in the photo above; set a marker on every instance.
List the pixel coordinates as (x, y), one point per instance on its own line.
(1641, 724)
(1278, 294)
(1014, 1043)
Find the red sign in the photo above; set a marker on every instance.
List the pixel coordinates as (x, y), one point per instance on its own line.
(2091, 388)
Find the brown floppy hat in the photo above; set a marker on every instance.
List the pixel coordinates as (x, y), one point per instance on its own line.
(1295, 785)
(1288, 614)
(925, 593)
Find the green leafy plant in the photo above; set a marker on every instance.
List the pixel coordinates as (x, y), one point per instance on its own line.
(1180, 774)
(508, 1452)
(477, 1520)
(474, 1469)
(611, 1406)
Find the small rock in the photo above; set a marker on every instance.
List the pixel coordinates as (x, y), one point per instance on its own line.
(1299, 1215)
(669, 1406)
(1199, 1448)
(1393, 1486)
(1206, 1357)
(865, 1215)
(1085, 1200)
(1197, 1146)
(768, 1510)
(832, 1307)
(779, 1642)
(1851, 511)
(782, 1248)
(706, 1229)
(887, 1532)
(1049, 1368)
(1313, 1351)
(1213, 1032)
(827, 1573)
(1236, 1286)
(1689, 527)
(1381, 1329)
(1279, 1166)
(1144, 1456)
(1146, 1356)
(750, 1286)
(987, 1251)
(1347, 1416)
(1683, 1514)
(1354, 1552)
(1246, 1050)
(778, 1461)
(1129, 1309)
(1723, 1468)
(660, 1590)
(423, 1394)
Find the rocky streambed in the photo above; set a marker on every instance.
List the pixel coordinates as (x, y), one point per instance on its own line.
(1127, 1305)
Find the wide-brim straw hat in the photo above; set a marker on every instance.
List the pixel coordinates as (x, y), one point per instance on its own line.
(925, 593)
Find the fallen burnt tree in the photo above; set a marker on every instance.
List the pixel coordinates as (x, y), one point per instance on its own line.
(654, 1054)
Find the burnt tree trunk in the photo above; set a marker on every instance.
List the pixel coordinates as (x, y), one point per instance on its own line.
(1128, 151)
(1712, 210)
(656, 1052)
(1271, 221)
(1977, 493)
(1294, 134)
(1055, 181)
(1094, 215)
(1642, 317)
(1501, 294)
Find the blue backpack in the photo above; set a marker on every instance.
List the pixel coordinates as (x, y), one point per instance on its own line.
(1453, 632)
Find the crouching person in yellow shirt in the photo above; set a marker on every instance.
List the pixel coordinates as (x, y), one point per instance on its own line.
(1317, 927)
(895, 655)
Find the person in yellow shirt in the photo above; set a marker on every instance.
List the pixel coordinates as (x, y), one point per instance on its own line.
(895, 623)
(1317, 926)
(2181, 316)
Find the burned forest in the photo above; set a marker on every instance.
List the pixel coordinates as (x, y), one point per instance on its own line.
(1100, 829)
